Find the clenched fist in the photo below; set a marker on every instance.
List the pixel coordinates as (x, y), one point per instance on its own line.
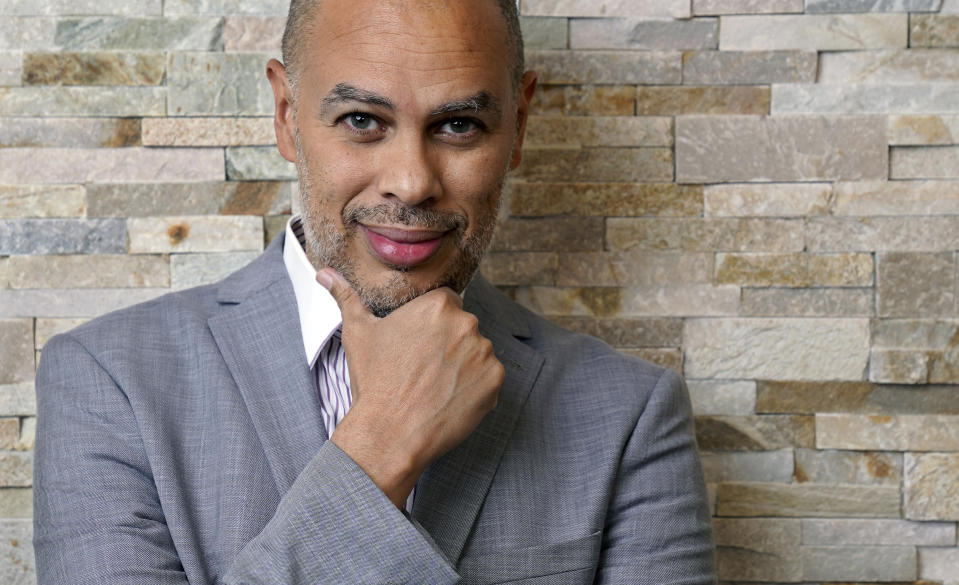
(422, 378)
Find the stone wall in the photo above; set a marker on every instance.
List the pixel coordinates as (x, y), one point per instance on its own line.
(761, 194)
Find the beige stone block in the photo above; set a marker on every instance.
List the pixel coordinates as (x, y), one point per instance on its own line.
(643, 34)
(754, 433)
(159, 235)
(834, 563)
(89, 271)
(939, 334)
(16, 469)
(76, 302)
(219, 198)
(749, 67)
(931, 486)
(777, 349)
(273, 226)
(549, 234)
(581, 100)
(899, 366)
(767, 200)
(847, 467)
(11, 68)
(794, 270)
(889, 66)
(899, 234)
(718, 149)
(520, 268)
(896, 198)
(865, 98)
(208, 131)
(627, 332)
(16, 503)
(47, 328)
(603, 8)
(634, 268)
(669, 358)
(9, 432)
(922, 130)
(940, 564)
(18, 399)
(544, 32)
(83, 101)
(705, 235)
(253, 33)
(110, 165)
(814, 32)
(854, 397)
(595, 164)
(712, 397)
(16, 350)
(189, 270)
(685, 100)
(28, 434)
(888, 432)
(258, 163)
(806, 302)
(758, 549)
(924, 162)
(873, 5)
(915, 284)
(666, 301)
(807, 500)
(218, 84)
(934, 30)
(582, 131)
(606, 67)
(70, 132)
(41, 201)
(761, 466)
(719, 7)
(94, 68)
(883, 532)
(606, 199)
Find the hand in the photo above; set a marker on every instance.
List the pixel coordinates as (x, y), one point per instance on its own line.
(422, 378)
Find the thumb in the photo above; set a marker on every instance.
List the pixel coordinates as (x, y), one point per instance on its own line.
(351, 306)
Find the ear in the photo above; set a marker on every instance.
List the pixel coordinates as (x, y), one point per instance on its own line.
(526, 91)
(283, 114)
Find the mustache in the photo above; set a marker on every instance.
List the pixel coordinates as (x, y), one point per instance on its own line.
(417, 217)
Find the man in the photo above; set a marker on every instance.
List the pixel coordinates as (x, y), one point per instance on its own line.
(424, 438)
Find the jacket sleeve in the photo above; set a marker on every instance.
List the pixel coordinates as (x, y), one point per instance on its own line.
(658, 529)
(98, 518)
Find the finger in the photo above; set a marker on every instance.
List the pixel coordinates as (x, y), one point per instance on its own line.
(351, 306)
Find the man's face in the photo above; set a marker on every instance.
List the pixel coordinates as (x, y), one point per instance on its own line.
(404, 125)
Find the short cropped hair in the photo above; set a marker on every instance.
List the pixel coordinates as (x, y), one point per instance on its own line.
(302, 13)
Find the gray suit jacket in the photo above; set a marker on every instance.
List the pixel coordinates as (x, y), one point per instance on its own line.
(181, 440)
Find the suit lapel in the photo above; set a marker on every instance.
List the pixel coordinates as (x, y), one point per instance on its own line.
(451, 492)
(259, 336)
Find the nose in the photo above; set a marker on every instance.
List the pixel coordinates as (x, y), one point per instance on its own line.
(408, 172)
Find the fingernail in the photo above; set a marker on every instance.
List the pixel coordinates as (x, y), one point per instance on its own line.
(324, 278)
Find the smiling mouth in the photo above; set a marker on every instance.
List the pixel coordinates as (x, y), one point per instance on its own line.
(402, 248)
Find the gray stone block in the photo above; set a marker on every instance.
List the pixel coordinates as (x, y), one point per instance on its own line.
(606, 8)
(544, 32)
(848, 467)
(844, 563)
(813, 6)
(808, 302)
(88, 271)
(661, 35)
(606, 67)
(62, 236)
(17, 503)
(761, 466)
(68, 303)
(258, 163)
(899, 234)
(69, 132)
(26, 33)
(898, 98)
(189, 270)
(814, 32)
(16, 544)
(844, 532)
(139, 34)
(931, 486)
(220, 84)
(83, 101)
(11, 69)
(18, 399)
(712, 397)
(889, 66)
(82, 7)
(110, 165)
(913, 284)
(16, 351)
(226, 7)
(720, 7)
(749, 67)
(758, 549)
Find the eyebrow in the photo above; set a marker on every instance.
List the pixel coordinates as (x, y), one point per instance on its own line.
(481, 101)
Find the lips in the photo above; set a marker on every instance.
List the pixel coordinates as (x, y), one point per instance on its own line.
(402, 247)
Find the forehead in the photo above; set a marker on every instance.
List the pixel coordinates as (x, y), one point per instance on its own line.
(421, 45)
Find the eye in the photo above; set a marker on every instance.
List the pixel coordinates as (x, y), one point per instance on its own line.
(458, 126)
(362, 122)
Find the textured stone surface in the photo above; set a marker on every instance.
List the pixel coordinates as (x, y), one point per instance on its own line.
(65, 302)
(877, 532)
(711, 7)
(854, 397)
(694, 299)
(11, 69)
(18, 399)
(634, 8)
(83, 7)
(258, 163)
(138, 34)
(218, 7)
(914, 367)
(901, 234)
(83, 101)
(106, 271)
(773, 499)
(9, 432)
(584, 100)
(16, 469)
(520, 268)
(153, 235)
(669, 358)
(766, 200)
(873, 5)
(35, 201)
(606, 67)
(677, 101)
(18, 503)
(208, 131)
(916, 333)
(634, 269)
(896, 198)
(93, 68)
(917, 284)
(865, 98)
(625, 332)
(887, 432)
(601, 199)
(835, 563)
(931, 486)
(848, 467)
(252, 33)
(816, 302)
(16, 545)
(934, 162)
(621, 33)
(150, 199)
(70, 132)
(934, 30)
(596, 164)
(544, 32)
(814, 32)
(62, 236)
(889, 66)
(47, 328)
(920, 130)
(549, 234)
(749, 67)
(705, 235)
(712, 149)
(754, 433)
(26, 34)
(777, 349)
(109, 165)
(939, 563)
(28, 434)
(595, 131)
(218, 84)
(722, 398)
(794, 270)
(758, 549)
(187, 270)
(16, 350)
(765, 466)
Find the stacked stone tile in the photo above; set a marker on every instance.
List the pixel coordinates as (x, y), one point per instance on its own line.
(760, 194)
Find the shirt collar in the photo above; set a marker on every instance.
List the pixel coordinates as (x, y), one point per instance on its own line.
(319, 314)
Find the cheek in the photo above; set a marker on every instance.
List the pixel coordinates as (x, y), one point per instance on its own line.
(337, 176)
